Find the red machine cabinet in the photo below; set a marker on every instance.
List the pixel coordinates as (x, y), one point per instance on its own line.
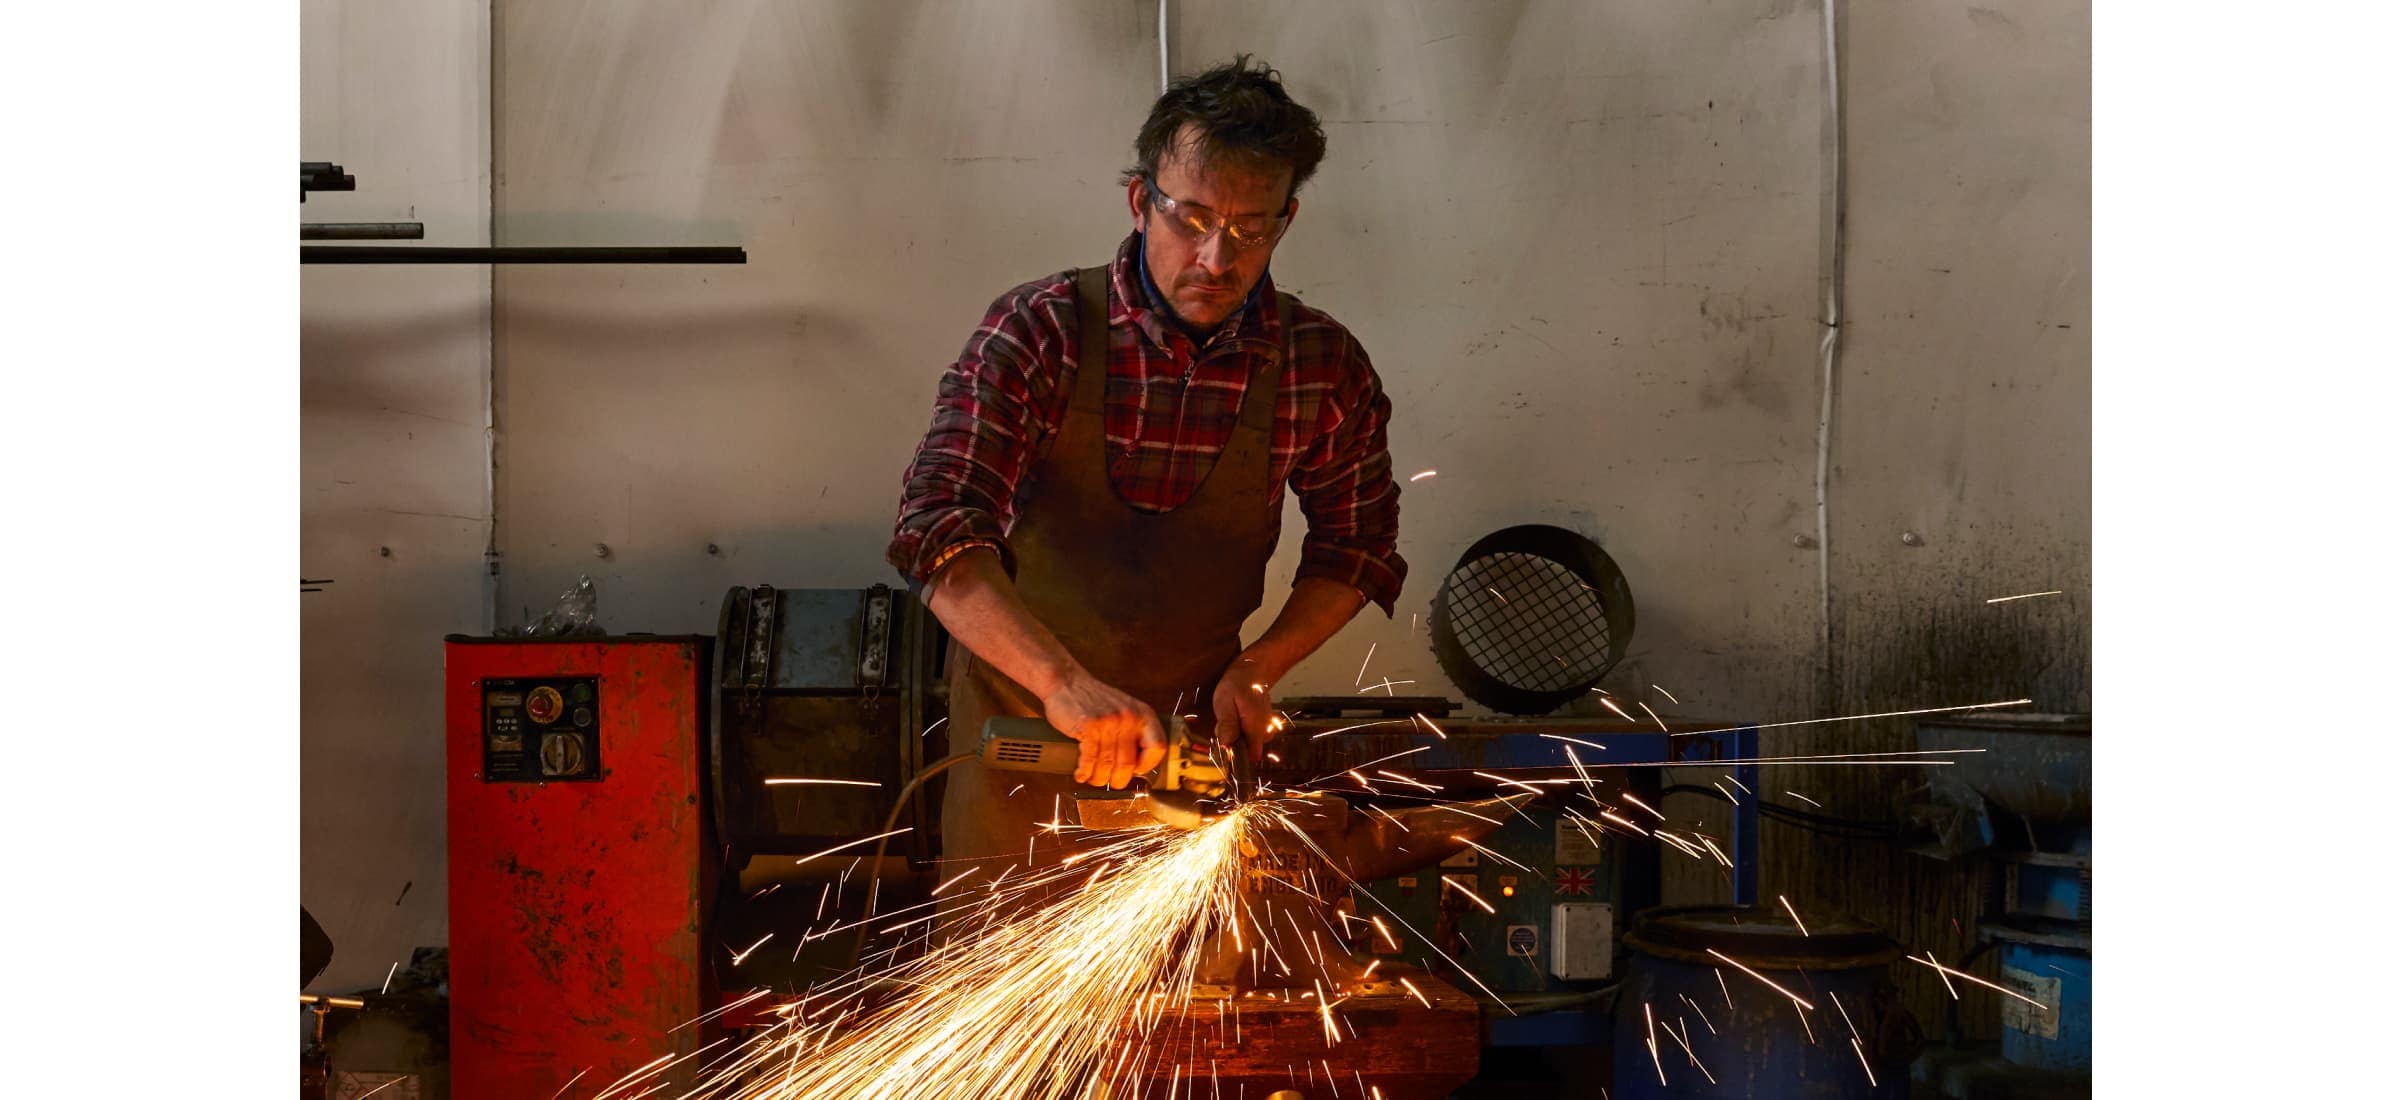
(579, 877)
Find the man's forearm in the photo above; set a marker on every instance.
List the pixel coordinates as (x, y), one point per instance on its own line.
(1315, 611)
(1119, 736)
(976, 602)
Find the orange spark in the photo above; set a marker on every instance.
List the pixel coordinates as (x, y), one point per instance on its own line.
(803, 860)
(1942, 973)
(1640, 804)
(1467, 892)
(2002, 989)
(1624, 821)
(1757, 977)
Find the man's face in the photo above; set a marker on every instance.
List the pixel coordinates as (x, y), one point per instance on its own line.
(1206, 280)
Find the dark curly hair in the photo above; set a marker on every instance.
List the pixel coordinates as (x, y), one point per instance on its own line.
(1242, 116)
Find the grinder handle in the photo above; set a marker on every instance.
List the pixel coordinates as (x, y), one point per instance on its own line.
(1014, 744)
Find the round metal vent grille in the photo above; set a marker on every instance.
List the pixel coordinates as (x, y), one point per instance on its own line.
(1530, 618)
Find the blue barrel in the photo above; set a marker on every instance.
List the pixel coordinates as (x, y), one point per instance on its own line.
(1690, 1023)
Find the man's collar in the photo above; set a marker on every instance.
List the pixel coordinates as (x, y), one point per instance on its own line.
(1158, 307)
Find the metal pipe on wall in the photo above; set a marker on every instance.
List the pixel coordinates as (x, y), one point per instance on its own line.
(361, 231)
(531, 254)
(1832, 316)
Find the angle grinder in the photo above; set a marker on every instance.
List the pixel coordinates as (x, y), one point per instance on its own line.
(1189, 788)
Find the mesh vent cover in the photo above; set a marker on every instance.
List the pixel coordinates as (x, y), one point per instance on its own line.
(1531, 617)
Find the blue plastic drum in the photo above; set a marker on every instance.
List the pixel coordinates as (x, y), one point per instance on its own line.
(1721, 1001)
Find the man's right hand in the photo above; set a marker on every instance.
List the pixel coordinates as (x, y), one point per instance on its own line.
(1119, 736)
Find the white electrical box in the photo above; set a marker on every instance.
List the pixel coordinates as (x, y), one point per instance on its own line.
(1581, 940)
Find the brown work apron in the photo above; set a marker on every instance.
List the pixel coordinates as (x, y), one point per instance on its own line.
(1149, 602)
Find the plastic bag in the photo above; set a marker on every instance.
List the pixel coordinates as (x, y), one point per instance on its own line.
(575, 613)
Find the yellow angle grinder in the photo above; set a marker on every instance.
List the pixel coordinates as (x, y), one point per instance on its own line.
(1191, 785)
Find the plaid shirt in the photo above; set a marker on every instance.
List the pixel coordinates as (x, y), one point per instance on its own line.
(1169, 409)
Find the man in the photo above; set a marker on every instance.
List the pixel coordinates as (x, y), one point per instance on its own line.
(1092, 510)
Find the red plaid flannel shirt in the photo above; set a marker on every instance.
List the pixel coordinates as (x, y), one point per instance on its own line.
(1169, 409)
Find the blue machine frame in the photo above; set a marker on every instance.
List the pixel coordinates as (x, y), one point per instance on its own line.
(1515, 747)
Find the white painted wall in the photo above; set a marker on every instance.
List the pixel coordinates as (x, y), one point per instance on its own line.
(1963, 417)
(1579, 239)
(394, 399)
(1964, 409)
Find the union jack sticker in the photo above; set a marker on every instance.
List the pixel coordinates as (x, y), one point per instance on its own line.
(1573, 880)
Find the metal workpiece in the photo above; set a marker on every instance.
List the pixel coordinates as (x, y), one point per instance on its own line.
(361, 231)
(1366, 847)
(316, 175)
(1314, 751)
(520, 254)
(1303, 851)
(1251, 1044)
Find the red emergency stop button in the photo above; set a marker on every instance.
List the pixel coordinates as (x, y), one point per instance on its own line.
(544, 705)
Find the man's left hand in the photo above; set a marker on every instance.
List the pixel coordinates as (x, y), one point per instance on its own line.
(1242, 713)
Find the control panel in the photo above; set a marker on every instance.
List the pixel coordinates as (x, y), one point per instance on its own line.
(540, 730)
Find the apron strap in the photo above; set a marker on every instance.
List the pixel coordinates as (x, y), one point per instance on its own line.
(1262, 394)
(1088, 389)
(1096, 346)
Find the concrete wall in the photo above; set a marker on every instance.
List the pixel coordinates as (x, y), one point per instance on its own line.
(394, 400)
(1581, 241)
(1963, 417)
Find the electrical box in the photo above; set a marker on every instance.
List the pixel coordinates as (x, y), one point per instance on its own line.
(1581, 941)
(1532, 875)
(579, 863)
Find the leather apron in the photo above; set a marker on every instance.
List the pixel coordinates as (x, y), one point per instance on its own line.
(1148, 602)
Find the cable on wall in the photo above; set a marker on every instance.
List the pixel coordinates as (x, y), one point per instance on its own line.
(1832, 316)
(1162, 39)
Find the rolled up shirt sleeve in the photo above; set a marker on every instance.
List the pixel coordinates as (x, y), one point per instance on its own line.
(1345, 484)
(984, 429)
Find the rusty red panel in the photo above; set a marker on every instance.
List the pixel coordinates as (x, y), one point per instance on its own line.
(577, 908)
